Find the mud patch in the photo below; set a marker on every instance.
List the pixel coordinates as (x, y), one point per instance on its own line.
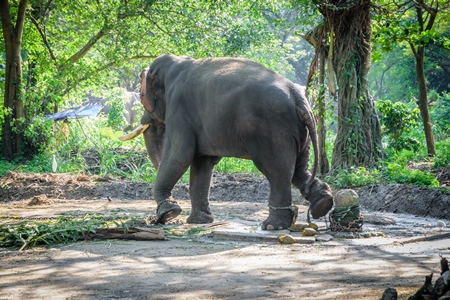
(190, 266)
(406, 199)
(40, 200)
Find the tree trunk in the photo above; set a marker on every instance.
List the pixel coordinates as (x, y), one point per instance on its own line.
(358, 140)
(423, 101)
(13, 102)
(324, 166)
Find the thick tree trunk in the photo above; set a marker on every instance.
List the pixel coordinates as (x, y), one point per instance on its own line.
(13, 102)
(423, 102)
(12, 141)
(358, 141)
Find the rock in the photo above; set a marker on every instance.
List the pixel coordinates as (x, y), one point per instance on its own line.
(346, 198)
(286, 239)
(301, 227)
(346, 215)
(378, 220)
(441, 224)
(309, 232)
(324, 238)
(389, 294)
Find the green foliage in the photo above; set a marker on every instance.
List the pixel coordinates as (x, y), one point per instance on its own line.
(354, 177)
(5, 167)
(399, 174)
(62, 230)
(39, 135)
(405, 156)
(99, 45)
(440, 113)
(116, 118)
(392, 75)
(397, 120)
(236, 165)
(442, 158)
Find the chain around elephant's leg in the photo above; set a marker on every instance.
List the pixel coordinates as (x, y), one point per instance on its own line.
(280, 218)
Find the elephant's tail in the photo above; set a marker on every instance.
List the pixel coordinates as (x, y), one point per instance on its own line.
(306, 117)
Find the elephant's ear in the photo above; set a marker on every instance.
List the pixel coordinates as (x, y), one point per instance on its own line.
(151, 91)
(148, 90)
(143, 91)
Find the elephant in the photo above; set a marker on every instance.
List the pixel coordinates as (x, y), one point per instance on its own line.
(200, 110)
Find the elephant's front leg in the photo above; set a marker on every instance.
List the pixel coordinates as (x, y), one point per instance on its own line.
(174, 163)
(200, 182)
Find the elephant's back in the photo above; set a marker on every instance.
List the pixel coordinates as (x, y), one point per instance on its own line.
(233, 69)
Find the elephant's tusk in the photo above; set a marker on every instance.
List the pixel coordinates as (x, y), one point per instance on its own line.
(137, 131)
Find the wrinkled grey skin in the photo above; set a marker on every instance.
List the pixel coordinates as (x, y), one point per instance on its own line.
(203, 110)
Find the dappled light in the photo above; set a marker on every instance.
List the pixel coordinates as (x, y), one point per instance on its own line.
(212, 150)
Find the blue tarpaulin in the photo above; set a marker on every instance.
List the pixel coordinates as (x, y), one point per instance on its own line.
(89, 110)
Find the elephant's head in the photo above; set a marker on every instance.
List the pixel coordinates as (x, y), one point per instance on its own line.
(153, 99)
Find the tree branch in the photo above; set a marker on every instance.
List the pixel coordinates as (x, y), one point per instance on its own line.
(8, 27)
(113, 63)
(83, 51)
(20, 20)
(413, 49)
(44, 38)
(108, 65)
(430, 10)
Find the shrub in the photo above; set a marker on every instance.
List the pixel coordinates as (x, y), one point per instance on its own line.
(398, 120)
(5, 167)
(442, 158)
(440, 112)
(399, 174)
(354, 177)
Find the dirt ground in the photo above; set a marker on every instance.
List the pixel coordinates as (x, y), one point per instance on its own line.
(406, 230)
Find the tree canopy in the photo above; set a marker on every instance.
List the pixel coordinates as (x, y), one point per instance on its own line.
(62, 51)
(71, 48)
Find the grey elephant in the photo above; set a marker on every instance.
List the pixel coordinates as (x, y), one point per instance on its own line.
(198, 111)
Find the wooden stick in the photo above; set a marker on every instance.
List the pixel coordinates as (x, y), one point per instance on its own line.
(133, 233)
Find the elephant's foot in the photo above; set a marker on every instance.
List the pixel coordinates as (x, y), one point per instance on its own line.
(167, 210)
(279, 218)
(321, 206)
(200, 217)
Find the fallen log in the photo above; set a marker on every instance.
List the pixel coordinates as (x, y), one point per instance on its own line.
(440, 290)
(132, 233)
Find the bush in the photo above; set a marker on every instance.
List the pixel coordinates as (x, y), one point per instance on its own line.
(399, 174)
(440, 112)
(5, 167)
(398, 119)
(442, 154)
(354, 177)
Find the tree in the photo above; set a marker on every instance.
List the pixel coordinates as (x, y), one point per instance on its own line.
(70, 48)
(347, 32)
(317, 38)
(13, 101)
(412, 21)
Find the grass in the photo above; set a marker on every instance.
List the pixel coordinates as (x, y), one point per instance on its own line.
(62, 230)
(93, 148)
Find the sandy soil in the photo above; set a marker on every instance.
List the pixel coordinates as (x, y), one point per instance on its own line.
(194, 266)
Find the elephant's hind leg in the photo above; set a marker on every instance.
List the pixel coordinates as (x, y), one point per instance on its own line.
(200, 182)
(279, 173)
